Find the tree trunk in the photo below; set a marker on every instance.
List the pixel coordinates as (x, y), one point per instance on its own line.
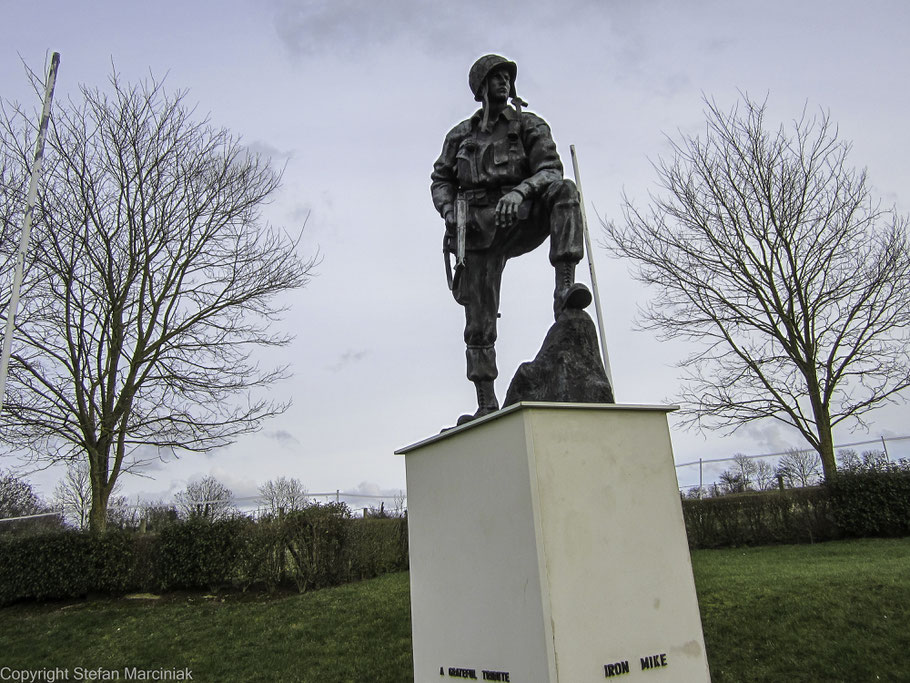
(101, 493)
(98, 516)
(823, 429)
(826, 447)
(821, 411)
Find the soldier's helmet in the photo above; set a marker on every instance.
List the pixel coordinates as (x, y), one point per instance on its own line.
(481, 69)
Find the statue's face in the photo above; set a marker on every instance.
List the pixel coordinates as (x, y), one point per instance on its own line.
(499, 84)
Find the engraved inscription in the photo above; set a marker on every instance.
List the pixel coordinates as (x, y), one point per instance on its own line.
(654, 661)
(616, 669)
(485, 674)
(456, 672)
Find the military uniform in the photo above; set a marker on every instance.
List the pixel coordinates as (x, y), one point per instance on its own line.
(491, 160)
(517, 154)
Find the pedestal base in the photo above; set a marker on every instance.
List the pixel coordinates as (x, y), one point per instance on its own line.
(547, 545)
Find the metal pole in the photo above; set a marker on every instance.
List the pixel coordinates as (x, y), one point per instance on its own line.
(596, 291)
(885, 447)
(27, 224)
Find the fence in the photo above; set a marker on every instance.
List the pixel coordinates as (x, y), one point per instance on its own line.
(253, 505)
(392, 504)
(696, 474)
(703, 473)
(35, 516)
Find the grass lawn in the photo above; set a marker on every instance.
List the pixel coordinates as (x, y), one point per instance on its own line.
(828, 612)
(359, 632)
(835, 611)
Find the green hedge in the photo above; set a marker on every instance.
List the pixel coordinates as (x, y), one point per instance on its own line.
(310, 548)
(872, 502)
(316, 547)
(198, 553)
(382, 547)
(323, 546)
(861, 502)
(65, 564)
(760, 518)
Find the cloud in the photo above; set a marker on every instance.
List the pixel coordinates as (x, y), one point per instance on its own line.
(285, 438)
(352, 27)
(264, 149)
(242, 487)
(768, 438)
(347, 358)
(369, 488)
(316, 214)
(146, 459)
(368, 494)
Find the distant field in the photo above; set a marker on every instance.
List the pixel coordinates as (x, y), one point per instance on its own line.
(828, 612)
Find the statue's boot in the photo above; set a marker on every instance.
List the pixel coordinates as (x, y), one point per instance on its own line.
(486, 401)
(568, 293)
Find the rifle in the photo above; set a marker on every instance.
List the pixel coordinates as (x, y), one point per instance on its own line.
(453, 277)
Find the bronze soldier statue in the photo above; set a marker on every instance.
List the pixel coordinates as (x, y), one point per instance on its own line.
(499, 186)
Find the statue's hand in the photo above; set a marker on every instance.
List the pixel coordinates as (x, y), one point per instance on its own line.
(507, 209)
(451, 225)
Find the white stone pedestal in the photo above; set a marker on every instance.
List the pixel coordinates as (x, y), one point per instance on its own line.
(547, 545)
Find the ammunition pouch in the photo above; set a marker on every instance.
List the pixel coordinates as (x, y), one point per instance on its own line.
(485, 196)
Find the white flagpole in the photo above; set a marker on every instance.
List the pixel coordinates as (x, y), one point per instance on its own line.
(596, 291)
(27, 223)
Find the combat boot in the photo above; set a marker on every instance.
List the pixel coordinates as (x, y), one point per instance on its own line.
(568, 293)
(486, 401)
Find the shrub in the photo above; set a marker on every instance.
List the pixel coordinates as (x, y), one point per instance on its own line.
(65, 564)
(871, 497)
(872, 500)
(316, 538)
(792, 516)
(320, 546)
(199, 553)
(311, 548)
(262, 560)
(378, 546)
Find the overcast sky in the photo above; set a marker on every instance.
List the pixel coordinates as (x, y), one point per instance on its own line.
(355, 98)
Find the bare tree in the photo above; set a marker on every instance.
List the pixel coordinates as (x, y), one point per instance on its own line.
(17, 497)
(765, 476)
(11, 186)
(206, 498)
(869, 461)
(695, 493)
(768, 250)
(152, 282)
(400, 504)
(73, 494)
(732, 481)
(121, 514)
(746, 468)
(282, 495)
(739, 477)
(155, 515)
(875, 461)
(799, 468)
(848, 459)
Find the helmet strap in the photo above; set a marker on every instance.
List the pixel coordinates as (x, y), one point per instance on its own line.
(518, 103)
(485, 123)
